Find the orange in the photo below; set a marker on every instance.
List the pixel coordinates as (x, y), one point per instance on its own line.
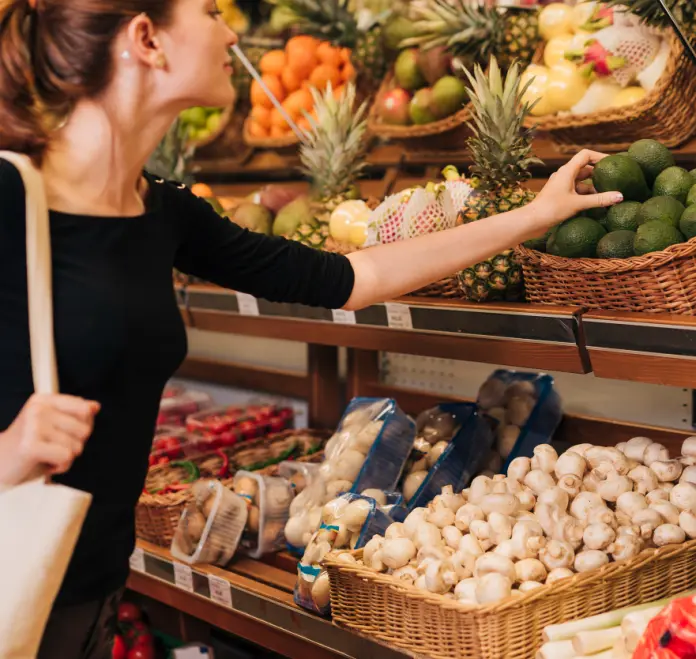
(278, 120)
(327, 54)
(323, 75)
(258, 95)
(257, 131)
(303, 124)
(277, 131)
(346, 54)
(298, 101)
(261, 115)
(348, 72)
(273, 61)
(201, 190)
(291, 81)
(301, 43)
(338, 91)
(302, 63)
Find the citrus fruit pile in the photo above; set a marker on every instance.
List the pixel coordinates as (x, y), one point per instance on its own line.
(289, 73)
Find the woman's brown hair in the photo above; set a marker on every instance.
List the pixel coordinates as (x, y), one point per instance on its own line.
(54, 53)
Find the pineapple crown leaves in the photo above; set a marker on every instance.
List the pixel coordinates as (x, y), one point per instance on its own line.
(328, 20)
(332, 153)
(501, 146)
(171, 158)
(461, 26)
(653, 15)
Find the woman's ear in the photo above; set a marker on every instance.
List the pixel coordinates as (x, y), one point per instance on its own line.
(143, 43)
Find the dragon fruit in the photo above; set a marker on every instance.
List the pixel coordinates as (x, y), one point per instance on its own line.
(601, 17)
(595, 58)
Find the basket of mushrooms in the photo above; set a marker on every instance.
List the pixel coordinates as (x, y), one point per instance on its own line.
(480, 573)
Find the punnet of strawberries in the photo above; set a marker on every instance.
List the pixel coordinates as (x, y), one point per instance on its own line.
(133, 639)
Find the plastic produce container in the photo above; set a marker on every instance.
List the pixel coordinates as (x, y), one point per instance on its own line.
(211, 526)
(544, 417)
(178, 405)
(268, 500)
(348, 522)
(460, 461)
(231, 424)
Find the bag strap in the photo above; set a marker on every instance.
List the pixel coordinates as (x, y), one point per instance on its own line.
(39, 275)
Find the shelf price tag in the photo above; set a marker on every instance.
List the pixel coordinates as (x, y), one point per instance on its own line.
(183, 577)
(399, 316)
(343, 317)
(248, 305)
(137, 560)
(220, 591)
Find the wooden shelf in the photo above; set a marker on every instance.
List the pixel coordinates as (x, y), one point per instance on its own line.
(518, 335)
(654, 348)
(260, 607)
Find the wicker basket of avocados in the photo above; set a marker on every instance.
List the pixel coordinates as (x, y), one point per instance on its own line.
(639, 255)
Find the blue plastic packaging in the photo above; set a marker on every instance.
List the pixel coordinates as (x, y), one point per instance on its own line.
(460, 461)
(544, 418)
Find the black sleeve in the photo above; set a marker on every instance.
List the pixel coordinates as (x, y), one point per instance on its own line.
(215, 249)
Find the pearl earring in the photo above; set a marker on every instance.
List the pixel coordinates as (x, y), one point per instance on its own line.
(125, 55)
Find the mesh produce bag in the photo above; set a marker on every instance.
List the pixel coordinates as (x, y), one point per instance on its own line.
(417, 212)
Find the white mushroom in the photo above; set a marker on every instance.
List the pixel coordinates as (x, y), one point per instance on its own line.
(689, 474)
(598, 536)
(683, 496)
(584, 503)
(467, 514)
(626, 546)
(570, 484)
(395, 530)
(479, 488)
(669, 512)
(635, 448)
(412, 482)
(647, 521)
(644, 478)
(482, 532)
(530, 569)
(630, 503)
(568, 529)
(559, 573)
(580, 449)
(507, 548)
(492, 588)
(538, 481)
(613, 487)
(689, 446)
(554, 496)
(667, 470)
(657, 495)
(545, 458)
(669, 534)
(427, 535)
(440, 514)
(526, 586)
(527, 539)
(469, 544)
(397, 552)
(687, 520)
(490, 562)
(606, 454)
(590, 559)
(451, 499)
(519, 468)
(654, 453)
(501, 527)
(439, 577)
(557, 554)
(602, 515)
(526, 499)
(570, 464)
(466, 590)
(452, 536)
(407, 574)
(502, 503)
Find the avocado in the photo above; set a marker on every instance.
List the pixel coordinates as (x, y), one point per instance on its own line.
(616, 245)
(691, 197)
(578, 237)
(665, 209)
(621, 174)
(687, 224)
(673, 182)
(652, 157)
(623, 216)
(539, 244)
(598, 214)
(551, 247)
(654, 236)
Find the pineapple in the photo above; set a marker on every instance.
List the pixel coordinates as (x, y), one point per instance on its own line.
(172, 156)
(333, 156)
(471, 29)
(652, 13)
(333, 21)
(502, 152)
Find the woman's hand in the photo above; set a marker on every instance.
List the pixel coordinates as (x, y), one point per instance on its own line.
(47, 436)
(565, 195)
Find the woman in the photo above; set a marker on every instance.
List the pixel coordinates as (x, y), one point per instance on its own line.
(88, 88)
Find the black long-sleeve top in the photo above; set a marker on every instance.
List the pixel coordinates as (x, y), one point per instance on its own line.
(119, 335)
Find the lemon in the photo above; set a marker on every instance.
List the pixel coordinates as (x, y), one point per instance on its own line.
(566, 86)
(347, 214)
(554, 52)
(628, 96)
(555, 19)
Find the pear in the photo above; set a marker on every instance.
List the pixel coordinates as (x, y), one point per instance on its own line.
(253, 217)
(292, 215)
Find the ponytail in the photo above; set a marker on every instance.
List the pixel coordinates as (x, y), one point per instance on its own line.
(21, 128)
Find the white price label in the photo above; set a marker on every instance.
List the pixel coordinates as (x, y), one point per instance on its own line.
(399, 316)
(343, 317)
(248, 304)
(183, 577)
(220, 591)
(137, 560)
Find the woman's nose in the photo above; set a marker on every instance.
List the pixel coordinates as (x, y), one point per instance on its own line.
(232, 38)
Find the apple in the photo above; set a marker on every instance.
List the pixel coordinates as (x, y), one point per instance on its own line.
(393, 107)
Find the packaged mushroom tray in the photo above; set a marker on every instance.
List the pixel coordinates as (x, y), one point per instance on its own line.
(268, 501)
(558, 537)
(211, 526)
(528, 410)
(451, 445)
(367, 452)
(346, 523)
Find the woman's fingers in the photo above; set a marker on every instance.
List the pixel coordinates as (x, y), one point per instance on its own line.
(602, 200)
(585, 188)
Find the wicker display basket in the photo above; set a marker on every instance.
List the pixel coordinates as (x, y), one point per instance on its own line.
(660, 282)
(225, 119)
(666, 114)
(284, 142)
(157, 515)
(448, 134)
(432, 625)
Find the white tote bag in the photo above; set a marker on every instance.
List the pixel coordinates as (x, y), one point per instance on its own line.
(41, 521)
